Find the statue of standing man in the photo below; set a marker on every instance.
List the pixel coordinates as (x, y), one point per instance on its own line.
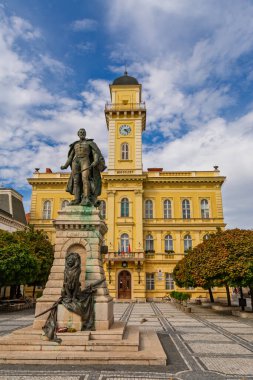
(86, 163)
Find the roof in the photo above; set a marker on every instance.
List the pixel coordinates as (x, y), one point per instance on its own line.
(11, 203)
(125, 80)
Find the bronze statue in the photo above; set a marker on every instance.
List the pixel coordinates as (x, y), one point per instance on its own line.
(87, 162)
(72, 271)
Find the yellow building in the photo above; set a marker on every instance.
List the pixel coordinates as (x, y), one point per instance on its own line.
(153, 217)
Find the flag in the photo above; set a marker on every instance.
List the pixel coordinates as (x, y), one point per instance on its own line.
(129, 248)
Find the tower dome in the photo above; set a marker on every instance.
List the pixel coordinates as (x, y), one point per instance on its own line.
(125, 80)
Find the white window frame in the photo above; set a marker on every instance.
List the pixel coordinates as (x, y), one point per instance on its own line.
(125, 151)
(167, 209)
(124, 242)
(168, 242)
(47, 209)
(205, 209)
(149, 209)
(187, 242)
(186, 209)
(124, 207)
(169, 281)
(150, 281)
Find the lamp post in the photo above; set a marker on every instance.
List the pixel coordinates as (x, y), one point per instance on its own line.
(139, 271)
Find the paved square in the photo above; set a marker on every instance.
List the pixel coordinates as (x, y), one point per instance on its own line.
(200, 345)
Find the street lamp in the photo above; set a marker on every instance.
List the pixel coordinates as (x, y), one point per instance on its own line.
(139, 271)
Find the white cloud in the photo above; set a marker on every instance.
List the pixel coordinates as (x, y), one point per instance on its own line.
(84, 25)
(184, 53)
(227, 144)
(37, 124)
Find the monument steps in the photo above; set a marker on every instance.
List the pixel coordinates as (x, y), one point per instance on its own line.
(75, 341)
(20, 349)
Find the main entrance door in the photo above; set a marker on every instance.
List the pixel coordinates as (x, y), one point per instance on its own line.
(124, 285)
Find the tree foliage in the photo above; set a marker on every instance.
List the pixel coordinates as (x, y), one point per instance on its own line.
(25, 257)
(225, 259)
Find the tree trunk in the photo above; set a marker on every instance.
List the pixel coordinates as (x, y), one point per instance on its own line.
(34, 287)
(13, 292)
(228, 295)
(211, 295)
(241, 294)
(251, 295)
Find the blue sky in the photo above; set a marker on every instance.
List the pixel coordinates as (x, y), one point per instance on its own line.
(194, 59)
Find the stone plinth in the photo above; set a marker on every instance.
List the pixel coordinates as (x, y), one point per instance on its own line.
(78, 229)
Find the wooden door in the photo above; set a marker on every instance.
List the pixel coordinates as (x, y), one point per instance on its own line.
(124, 285)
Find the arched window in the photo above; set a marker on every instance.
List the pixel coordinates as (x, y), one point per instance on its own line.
(187, 242)
(125, 151)
(205, 237)
(102, 209)
(124, 207)
(186, 210)
(149, 243)
(168, 243)
(204, 209)
(64, 203)
(47, 210)
(148, 209)
(167, 209)
(124, 243)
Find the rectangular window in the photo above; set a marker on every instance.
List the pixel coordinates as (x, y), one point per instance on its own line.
(150, 281)
(169, 282)
(148, 209)
(167, 209)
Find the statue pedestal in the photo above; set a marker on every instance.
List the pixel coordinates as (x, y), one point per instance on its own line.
(78, 229)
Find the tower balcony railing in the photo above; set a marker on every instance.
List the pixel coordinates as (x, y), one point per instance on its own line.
(124, 256)
(125, 106)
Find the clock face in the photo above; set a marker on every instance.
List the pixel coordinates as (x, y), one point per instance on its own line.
(124, 129)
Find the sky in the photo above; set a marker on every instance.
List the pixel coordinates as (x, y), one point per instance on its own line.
(194, 59)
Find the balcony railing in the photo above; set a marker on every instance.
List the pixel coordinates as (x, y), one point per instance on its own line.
(182, 221)
(124, 256)
(125, 107)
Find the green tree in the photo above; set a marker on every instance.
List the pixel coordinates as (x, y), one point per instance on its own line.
(41, 248)
(225, 259)
(25, 257)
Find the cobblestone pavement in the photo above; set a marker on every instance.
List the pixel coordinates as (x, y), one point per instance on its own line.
(201, 345)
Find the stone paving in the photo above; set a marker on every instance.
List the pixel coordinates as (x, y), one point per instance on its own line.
(201, 345)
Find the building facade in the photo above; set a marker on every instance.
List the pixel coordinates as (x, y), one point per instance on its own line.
(153, 216)
(12, 213)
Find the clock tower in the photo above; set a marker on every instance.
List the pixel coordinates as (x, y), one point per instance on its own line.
(126, 120)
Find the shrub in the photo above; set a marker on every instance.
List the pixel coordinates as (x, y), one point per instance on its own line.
(180, 296)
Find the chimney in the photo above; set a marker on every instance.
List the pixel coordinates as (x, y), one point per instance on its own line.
(155, 169)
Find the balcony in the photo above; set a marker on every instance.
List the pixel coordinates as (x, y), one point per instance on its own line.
(124, 256)
(125, 107)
